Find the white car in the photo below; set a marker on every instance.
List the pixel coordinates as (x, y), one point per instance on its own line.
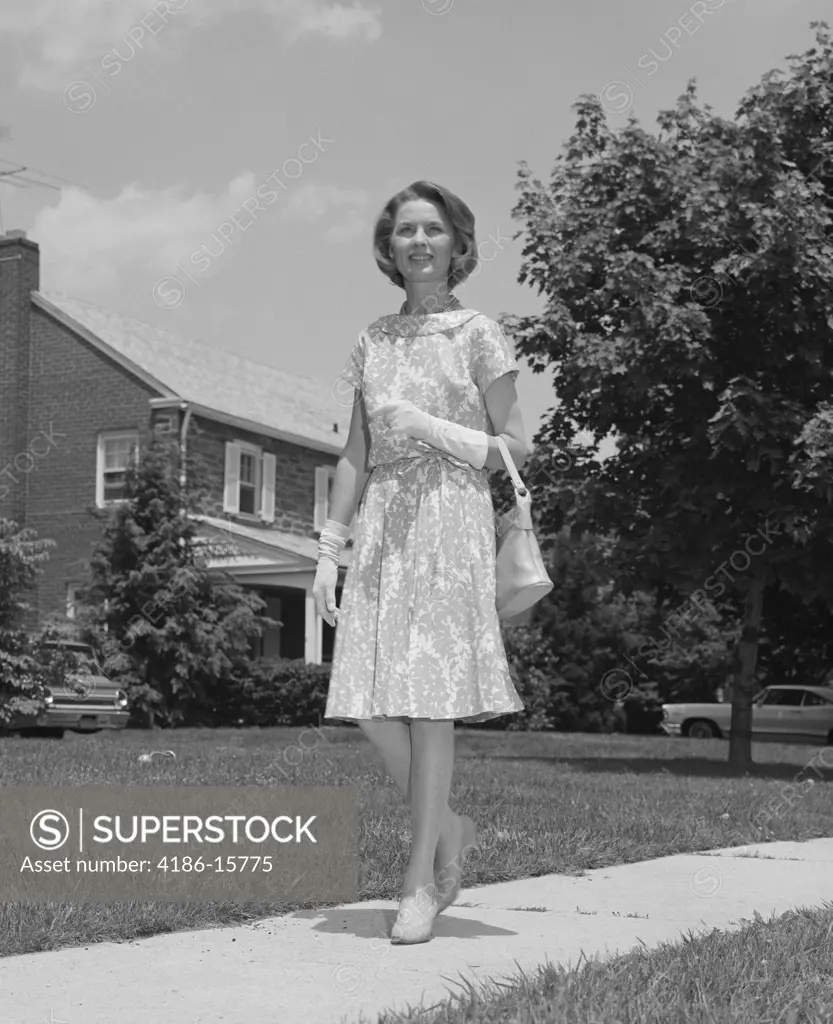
(787, 713)
(83, 699)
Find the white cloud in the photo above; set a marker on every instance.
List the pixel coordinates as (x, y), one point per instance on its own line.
(312, 201)
(344, 211)
(60, 37)
(354, 226)
(338, 22)
(89, 245)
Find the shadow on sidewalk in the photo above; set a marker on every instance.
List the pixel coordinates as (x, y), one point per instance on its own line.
(701, 766)
(376, 924)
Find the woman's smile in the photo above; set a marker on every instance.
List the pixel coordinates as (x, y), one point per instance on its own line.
(419, 223)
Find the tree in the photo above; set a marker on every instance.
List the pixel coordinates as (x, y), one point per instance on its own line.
(690, 657)
(797, 641)
(577, 661)
(21, 554)
(688, 280)
(576, 634)
(172, 631)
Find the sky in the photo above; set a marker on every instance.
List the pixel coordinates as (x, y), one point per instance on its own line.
(220, 163)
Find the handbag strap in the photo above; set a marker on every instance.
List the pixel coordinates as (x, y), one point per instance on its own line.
(510, 465)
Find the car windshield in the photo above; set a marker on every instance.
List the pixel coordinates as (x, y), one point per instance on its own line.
(78, 659)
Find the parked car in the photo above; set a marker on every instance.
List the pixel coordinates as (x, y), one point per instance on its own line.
(788, 713)
(79, 698)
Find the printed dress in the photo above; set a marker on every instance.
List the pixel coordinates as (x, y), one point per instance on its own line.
(418, 634)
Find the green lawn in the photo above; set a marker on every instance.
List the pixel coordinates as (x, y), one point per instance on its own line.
(770, 972)
(545, 803)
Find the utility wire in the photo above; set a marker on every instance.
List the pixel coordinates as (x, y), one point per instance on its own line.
(12, 177)
(44, 174)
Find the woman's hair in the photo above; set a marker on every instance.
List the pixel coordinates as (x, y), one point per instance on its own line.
(464, 258)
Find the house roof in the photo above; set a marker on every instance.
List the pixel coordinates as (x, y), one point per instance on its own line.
(295, 408)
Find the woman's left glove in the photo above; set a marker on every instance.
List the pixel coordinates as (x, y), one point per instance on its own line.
(403, 417)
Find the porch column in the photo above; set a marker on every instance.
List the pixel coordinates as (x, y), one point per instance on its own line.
(313, 632)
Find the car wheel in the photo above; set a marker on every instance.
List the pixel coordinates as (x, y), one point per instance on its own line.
(702, 730)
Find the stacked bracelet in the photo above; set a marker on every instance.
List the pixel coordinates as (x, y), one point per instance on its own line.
(332, 540)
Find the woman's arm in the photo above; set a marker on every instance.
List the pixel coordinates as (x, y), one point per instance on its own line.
(351, 472)
(501, 400)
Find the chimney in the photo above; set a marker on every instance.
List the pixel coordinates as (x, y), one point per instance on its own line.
(19, 277)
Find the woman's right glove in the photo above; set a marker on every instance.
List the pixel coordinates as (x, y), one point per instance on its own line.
(330, 544)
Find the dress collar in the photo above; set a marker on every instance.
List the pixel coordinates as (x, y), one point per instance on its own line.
(404, 325)
(451, 303)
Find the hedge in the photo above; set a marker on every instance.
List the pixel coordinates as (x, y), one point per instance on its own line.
(291, 692)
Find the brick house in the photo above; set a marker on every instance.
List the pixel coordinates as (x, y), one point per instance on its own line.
(81, 386)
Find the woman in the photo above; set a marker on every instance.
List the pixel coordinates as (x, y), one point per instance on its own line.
(418, 643)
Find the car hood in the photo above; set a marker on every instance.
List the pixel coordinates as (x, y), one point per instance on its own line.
(80, 686)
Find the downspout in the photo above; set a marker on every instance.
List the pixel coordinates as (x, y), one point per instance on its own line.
(183, 455)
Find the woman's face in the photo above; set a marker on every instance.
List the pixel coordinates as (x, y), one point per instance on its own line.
(422, 242)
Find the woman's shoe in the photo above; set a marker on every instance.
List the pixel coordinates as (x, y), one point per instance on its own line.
(415, 918)
(449, 879)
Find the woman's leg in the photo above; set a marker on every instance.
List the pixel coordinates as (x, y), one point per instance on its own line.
(393, 742)
(432, 766)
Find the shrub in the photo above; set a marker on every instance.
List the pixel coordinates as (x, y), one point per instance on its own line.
(185, 628)
(21, 690)
(284, 692)
(28, 668)
(21, 555)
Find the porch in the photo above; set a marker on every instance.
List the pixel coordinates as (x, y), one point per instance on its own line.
(280, 567)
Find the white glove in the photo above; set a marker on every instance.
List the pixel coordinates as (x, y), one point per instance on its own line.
(402, 417)
(472, 446)
(330, 544)
(324, 590)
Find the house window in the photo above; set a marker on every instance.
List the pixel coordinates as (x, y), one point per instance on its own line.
(249, 487)
(165, 424)
(114, 456)
(249, 465)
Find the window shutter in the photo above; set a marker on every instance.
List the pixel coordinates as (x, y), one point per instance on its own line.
(322, 488)
(231, 491)
(267, 500)
(99, 473)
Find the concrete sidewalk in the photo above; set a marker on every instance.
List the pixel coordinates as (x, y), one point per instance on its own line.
(322, 967)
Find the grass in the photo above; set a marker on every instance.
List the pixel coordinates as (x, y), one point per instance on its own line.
(769, 972)
(545, 802)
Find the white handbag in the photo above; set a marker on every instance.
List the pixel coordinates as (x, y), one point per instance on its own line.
(521, 579)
